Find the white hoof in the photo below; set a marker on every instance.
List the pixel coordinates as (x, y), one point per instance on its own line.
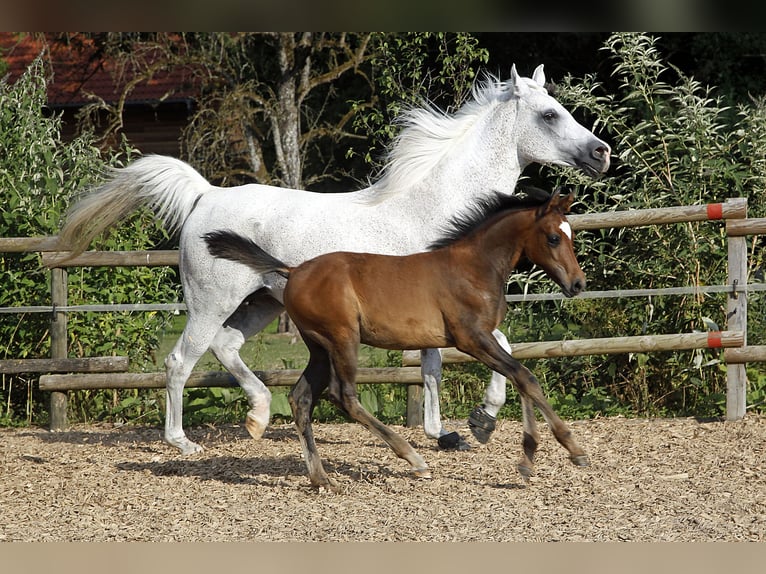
(186, 446)
(256, 423)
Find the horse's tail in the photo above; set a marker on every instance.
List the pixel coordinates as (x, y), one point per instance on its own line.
(169, 186)
(235, 247)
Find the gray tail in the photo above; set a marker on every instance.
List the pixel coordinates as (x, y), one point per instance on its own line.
(235, 247)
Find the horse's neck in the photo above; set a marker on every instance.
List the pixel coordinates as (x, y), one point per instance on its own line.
(484, 162)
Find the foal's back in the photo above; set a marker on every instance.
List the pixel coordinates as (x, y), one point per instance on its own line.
(393, 302)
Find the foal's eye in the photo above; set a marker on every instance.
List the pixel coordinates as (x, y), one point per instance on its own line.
(549, 116)
(554, 239)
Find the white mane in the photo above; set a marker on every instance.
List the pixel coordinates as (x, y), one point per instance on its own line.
(429, 134)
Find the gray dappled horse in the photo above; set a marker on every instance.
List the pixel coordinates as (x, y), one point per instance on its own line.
(437, 165)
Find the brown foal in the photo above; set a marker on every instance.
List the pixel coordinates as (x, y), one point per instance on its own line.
(450, 296)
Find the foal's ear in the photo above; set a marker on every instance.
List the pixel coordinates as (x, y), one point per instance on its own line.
(539, 76)
(565, 201)
(557, 201)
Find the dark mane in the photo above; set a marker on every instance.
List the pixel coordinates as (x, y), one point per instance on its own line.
(484, 208)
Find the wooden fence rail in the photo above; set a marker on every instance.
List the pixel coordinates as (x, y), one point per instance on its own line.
(103, 373)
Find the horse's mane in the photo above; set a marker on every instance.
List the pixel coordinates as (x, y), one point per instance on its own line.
(429, 134)
(486, 207)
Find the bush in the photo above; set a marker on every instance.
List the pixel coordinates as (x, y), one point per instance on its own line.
(39, 175)
(673, 144)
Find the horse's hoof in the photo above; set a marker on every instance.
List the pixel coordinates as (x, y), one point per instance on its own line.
(421, 472)
(255, 428)
(580, 460)
(186, 446)
(452, 441)
(482, 424)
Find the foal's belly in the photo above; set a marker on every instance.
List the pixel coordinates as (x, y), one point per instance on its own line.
(405, 332)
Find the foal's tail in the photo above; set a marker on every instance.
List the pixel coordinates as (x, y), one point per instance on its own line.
(169, 186)
(235, 247)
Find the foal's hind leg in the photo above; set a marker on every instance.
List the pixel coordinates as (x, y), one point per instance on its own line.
(303, 396)
(251, 317)
(343, 393)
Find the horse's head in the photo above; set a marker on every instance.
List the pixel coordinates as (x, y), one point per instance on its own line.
(550, 244)
(547, 133)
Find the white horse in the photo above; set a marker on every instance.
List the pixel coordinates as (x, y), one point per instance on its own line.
(438, 166)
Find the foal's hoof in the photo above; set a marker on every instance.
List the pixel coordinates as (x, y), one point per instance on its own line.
(481, 423)
(452, 441)
(525, 471)
(580, 460)
(327, 486)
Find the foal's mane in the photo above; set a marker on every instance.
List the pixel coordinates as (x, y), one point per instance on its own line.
(429, 133)
(485, 208)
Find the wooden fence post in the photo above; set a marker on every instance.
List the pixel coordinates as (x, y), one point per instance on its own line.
(58, 401)
(414, 405)
(736, 319)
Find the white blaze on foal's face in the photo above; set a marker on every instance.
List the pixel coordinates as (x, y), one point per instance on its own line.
(567, 229)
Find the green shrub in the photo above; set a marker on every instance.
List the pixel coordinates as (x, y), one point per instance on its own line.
(39, 175)
(673, 144)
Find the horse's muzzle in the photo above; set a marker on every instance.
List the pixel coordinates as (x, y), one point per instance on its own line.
(598, 161)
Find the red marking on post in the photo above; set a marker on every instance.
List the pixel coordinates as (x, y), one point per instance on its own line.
(714, 340)
(715, 210)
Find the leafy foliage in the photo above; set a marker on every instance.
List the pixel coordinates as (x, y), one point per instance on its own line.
(39, 174)
(673, 144)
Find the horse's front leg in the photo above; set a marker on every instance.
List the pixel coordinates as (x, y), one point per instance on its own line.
(483, 418)
(431, 371)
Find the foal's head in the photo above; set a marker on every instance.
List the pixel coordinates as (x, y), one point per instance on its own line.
(549, 244)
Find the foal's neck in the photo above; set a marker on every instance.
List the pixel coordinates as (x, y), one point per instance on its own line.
(496, 243)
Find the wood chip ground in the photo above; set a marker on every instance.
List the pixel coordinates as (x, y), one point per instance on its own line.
(649, 480)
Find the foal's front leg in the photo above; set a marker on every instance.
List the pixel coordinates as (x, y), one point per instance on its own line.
(483, 418)
(487, 350)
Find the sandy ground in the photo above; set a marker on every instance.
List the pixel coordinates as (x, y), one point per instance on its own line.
(650, 480)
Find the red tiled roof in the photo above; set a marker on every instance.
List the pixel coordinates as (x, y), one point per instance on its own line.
(80, 69)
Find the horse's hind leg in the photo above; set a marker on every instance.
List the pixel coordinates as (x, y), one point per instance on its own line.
(191, 345)
(250, 318)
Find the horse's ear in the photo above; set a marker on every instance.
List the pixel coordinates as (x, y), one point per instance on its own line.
(518, 86)
(539, 76)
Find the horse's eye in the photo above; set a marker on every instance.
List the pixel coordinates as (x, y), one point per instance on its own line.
(554, 239)
(549, 116)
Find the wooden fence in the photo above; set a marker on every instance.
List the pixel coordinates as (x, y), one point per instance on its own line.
(110, 372)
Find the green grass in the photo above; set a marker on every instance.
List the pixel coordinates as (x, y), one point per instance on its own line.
(265, 351)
